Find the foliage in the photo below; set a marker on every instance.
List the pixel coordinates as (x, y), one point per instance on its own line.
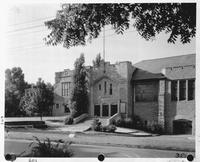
(38, 99)
(69, 120)
(49, 149)
(96, 125)
(137, 122)
(109, 128)
(75, 23)
(97, 61)
(14, 90)
(154, 128)
(80, 90)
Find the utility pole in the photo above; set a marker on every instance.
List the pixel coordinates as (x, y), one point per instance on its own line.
(104, 70)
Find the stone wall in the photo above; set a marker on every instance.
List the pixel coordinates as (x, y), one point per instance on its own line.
(61, 77)
(119, 75)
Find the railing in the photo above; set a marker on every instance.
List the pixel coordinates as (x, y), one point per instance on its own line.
(80, 118)
(113, 118)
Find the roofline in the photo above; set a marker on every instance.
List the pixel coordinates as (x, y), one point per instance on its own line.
(165, 58)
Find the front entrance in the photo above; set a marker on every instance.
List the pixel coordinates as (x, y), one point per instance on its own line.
(97, 110)
(105, 111)
(182, 126)
(113, 109)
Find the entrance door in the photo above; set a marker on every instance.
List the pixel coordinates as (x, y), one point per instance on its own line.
(97, 110)
(105, 110)
(113, 109)
(182, 127)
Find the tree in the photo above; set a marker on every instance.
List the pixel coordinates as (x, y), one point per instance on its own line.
(97, 61)
(79, 98)
(38, 99)
(14, 90)
(75, 23)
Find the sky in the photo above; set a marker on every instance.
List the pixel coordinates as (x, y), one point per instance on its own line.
(26, 48)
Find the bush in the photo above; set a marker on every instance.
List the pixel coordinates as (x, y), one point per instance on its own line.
(96, 125)
(119, 122)
(137, 122)
(128, 123)
(109, 128)
(157, 128)
(69, 120)
(47, 149)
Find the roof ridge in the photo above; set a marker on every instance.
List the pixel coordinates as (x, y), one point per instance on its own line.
(166, 57)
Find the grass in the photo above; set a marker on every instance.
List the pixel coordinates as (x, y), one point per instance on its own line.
(47, 148)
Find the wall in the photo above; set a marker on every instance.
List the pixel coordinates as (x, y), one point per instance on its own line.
(60, 77)
(175, 110)
(119, 75)
(146, 110)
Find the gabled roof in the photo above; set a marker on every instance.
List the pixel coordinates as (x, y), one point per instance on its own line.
(152, 69)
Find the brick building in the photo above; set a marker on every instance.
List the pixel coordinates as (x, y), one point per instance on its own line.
(159, 91)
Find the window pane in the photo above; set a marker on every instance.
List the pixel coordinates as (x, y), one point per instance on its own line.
(113, 109)
(191, 89)
(174, 90)
(110, 89)
(182, 90)
(99, 86)
(105, 110)
(105, 87)
(97, 110)
(65, 88)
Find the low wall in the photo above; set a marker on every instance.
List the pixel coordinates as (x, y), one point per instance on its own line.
(80, 118)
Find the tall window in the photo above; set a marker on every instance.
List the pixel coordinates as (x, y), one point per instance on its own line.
(110, 89)
(65, 88)
(105, 87)
(99, 86)
(174, 90)
(191, 89)
(182, 89)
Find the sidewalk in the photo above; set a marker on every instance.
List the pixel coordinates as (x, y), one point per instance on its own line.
(178, 143)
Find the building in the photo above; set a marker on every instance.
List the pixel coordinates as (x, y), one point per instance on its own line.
(62, 90)
(159, 91)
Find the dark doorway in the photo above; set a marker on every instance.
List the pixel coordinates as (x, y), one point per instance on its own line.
(105, 110)
(67, 110)
(97, 110)
(113, 109)
(182, 126)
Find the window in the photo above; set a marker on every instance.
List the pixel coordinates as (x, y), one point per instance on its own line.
(174, 90)
(65, 88)
(182, 90)
(191, 89)
(113, 109)
(105, 110)
(57, 106)
(110, 89)
(99, 86)
(105, 87)
(97, 110)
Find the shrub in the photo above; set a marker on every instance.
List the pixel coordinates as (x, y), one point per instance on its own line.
(119, 122)
(128, 123)
(69, 120)
(96, 125)
(110, 128)
(49, 149)
(137, 122)
(157, 129)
